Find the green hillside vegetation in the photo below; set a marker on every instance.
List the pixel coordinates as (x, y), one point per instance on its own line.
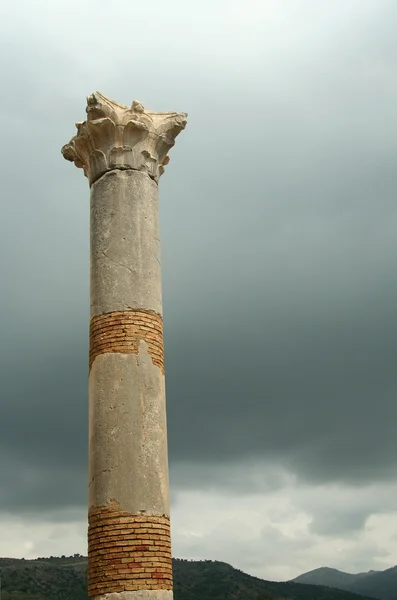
(65, 579)
(381, 585)
(328, 577)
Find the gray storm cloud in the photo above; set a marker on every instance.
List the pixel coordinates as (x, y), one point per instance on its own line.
(278, 220)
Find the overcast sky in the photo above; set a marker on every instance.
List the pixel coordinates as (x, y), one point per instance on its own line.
(279, 241)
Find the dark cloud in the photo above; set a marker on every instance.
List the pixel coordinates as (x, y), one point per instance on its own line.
(278, 220)
(334, 523)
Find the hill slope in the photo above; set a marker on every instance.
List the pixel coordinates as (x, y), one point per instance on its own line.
(330, 577)
(65, 579)
(378, 584)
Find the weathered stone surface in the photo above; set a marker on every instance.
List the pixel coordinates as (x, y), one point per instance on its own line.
(116, 136)
(128, 434)
(125, 243)
(138, 595)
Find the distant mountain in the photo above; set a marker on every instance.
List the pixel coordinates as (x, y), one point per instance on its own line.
(65, 579)
(330, 577)
(381, 585)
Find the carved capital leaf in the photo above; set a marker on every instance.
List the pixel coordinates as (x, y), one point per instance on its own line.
(115, 136)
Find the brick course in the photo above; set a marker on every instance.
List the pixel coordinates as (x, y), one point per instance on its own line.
(128, 552)
(123, 331)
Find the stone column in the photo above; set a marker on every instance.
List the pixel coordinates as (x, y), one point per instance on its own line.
(122, 151)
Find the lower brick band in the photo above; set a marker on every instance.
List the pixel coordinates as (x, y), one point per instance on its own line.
(127, 552)
(124, 330)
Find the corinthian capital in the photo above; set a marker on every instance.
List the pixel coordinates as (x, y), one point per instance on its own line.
(115, 136)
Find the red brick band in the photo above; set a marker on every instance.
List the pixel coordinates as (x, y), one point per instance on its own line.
(127, 552)
(123, 331)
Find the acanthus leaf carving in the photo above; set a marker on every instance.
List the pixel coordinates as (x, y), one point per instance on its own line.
(116, 136)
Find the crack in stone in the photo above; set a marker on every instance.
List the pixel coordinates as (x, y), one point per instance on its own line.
(101, 472)
(116, 262)
(123, 168)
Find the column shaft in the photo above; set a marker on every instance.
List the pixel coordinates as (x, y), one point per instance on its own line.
(129, 530)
